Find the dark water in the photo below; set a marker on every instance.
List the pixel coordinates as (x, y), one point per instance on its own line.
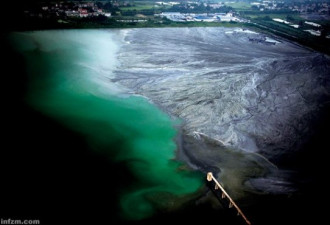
(84, 145)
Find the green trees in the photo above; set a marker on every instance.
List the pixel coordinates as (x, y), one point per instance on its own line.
(290, 18)
(198, 8)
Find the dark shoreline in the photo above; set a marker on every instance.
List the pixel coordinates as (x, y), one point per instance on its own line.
(313, 45)
(299, 207)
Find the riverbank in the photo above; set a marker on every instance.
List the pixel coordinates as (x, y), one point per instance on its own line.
(316, 43)
(96, 23)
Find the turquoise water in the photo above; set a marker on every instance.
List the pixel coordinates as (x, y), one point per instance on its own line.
(69, 81)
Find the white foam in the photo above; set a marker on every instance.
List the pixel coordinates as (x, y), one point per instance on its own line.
(272, 40)
(240, 30)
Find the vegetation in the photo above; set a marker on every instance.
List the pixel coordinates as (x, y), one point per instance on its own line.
(127, 22)
(239, 6)
(123, 14)
(319, 43)
(131, 14)
(197, 8)
(262, 20)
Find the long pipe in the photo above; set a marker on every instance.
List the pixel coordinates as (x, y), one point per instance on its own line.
(210, 177)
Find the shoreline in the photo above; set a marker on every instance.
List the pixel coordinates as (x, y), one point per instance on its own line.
(122, 25)
(119, 25)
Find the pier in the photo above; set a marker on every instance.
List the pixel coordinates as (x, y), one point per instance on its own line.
(224, 194)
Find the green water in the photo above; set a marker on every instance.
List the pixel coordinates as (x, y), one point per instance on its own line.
(69, 75)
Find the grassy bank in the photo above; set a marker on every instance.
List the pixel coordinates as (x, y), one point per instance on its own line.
(263, 25)
(116, 22)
